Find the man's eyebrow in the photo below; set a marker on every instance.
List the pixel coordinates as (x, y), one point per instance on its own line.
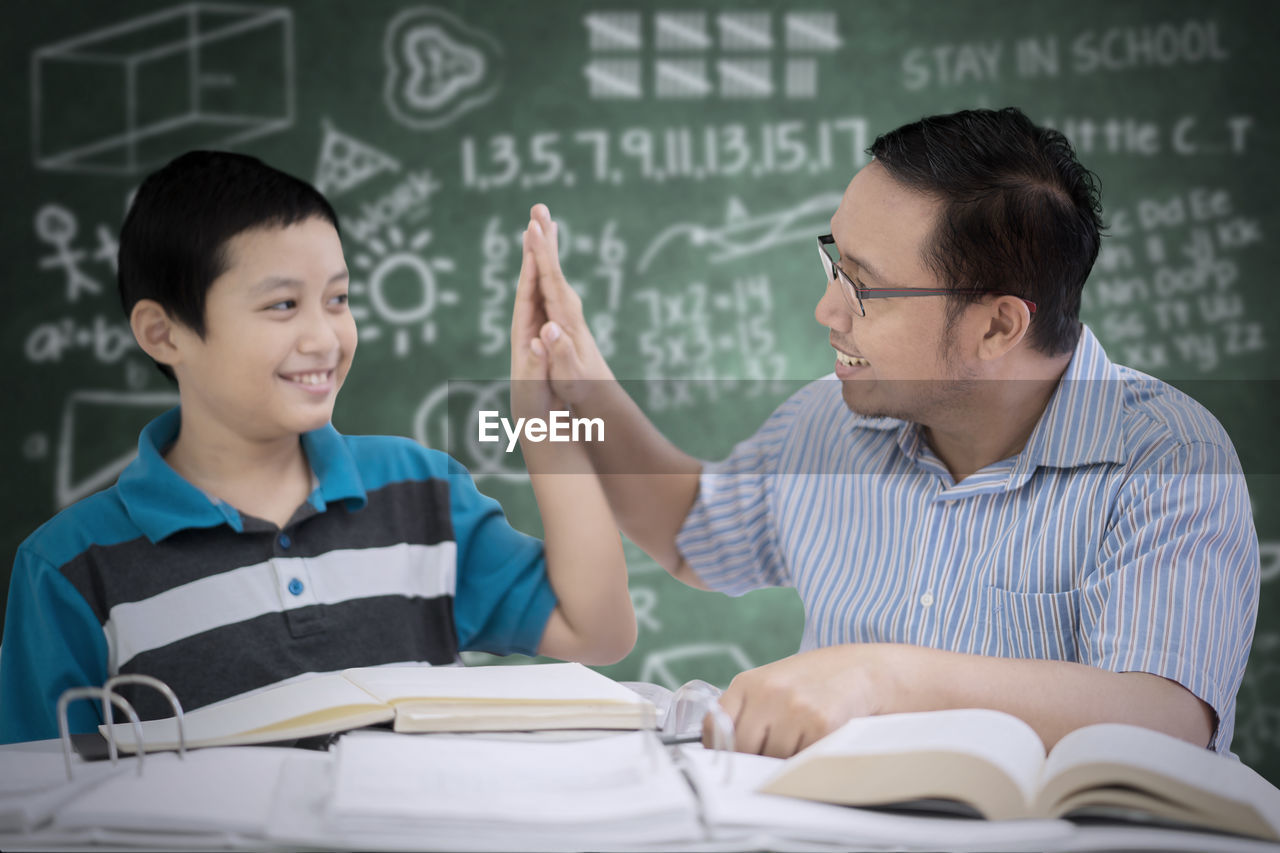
(865, 267)
(272, 282)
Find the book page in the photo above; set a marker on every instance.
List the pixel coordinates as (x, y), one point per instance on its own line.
(988, 759)
(1192, 783)
(727, 785)
(550, 682)
(321, 703)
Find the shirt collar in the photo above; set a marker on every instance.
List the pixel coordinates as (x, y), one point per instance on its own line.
(1081, 425)
(162, 503)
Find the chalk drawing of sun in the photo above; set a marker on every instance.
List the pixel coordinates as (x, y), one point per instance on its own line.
(399, 290)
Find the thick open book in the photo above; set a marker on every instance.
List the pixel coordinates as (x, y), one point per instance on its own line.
(415, 698)
(995, 764)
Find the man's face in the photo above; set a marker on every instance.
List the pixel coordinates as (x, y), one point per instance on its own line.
(881, 229)
(279, 337)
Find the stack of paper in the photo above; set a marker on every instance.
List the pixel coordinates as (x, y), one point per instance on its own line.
(34, 785)
(473, 792)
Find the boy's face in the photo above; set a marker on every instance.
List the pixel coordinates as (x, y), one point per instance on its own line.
(279, 337)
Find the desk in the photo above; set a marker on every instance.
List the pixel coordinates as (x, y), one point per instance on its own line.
(279, 799)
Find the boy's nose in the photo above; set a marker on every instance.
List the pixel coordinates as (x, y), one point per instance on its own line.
(319, 334)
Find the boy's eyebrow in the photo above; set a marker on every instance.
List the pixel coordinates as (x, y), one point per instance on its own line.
(271, 282)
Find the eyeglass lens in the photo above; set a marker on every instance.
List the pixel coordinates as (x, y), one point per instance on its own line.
(834, 273)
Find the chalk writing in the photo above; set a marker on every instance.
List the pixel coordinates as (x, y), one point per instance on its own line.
(645, 602)
(1165, 289)
(1186, 135)
(409, 200)
(732, 150)
(107, 341)
(1115, 49)
(600, 289)
(699, 335)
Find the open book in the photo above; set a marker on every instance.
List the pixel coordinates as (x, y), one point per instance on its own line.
(995, 764)
(417, 698)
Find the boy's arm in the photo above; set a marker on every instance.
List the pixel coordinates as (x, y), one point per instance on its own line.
(649, 482)
(593, 621)
(52, 641)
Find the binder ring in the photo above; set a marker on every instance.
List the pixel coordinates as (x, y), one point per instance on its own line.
(156, 684)
(108, 698)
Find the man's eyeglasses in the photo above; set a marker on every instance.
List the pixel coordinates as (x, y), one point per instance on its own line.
(855, 294)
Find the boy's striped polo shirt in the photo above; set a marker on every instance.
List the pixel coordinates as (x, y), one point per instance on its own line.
(394, 557)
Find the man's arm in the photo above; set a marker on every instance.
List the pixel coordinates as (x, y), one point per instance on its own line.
(782, 707)
(650, 484)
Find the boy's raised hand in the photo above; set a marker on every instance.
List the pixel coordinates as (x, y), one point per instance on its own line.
(531, 394)
(549, 313)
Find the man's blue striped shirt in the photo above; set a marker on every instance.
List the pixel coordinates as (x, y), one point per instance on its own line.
(1121, 536)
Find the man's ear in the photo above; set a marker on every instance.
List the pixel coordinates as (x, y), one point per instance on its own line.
(1008, 323)
(154, 331)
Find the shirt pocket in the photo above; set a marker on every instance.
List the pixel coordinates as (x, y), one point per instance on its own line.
(1040, 625)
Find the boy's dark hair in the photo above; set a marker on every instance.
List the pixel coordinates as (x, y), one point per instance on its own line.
(1019, 213)
(173, 243)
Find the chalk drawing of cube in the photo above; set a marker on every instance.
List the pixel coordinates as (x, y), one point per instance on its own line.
(128, 96)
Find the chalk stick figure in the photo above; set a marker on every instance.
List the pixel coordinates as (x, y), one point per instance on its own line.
(57, 226)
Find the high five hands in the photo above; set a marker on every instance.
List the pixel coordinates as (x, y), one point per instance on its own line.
(550, 339)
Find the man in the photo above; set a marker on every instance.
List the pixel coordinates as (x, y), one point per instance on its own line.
(982, 511)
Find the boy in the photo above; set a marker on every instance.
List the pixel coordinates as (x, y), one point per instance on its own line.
(249, 543)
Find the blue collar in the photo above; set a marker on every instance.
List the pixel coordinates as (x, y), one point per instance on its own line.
(162, 503)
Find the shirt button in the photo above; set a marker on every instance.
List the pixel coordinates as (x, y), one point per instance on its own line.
(926, 599)
(295, 586)
(285, 541)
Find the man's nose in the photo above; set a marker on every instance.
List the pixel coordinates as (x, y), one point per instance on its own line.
(832, 311)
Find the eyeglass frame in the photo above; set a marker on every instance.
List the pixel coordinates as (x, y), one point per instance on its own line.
(837, 274)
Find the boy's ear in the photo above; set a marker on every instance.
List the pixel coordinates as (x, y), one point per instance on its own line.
(153, 329)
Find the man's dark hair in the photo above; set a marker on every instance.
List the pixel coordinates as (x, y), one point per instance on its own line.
(1019, 213)
(173, 243)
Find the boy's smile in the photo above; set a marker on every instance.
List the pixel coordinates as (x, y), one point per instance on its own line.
(313, 382)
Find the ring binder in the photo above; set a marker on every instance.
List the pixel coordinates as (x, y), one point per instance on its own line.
(156, 684)
(108, 698)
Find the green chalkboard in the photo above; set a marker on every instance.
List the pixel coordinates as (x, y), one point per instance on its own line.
(691, 152)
